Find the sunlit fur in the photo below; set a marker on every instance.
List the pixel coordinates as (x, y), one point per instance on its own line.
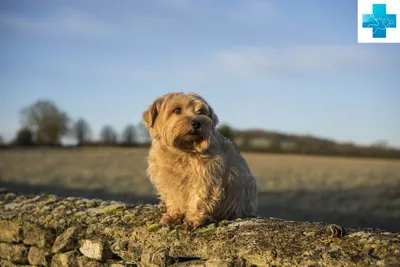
(198, 176)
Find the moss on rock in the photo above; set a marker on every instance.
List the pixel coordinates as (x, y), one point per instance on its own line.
(121, 233)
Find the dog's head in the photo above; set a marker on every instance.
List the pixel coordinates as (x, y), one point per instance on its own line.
(184, 121)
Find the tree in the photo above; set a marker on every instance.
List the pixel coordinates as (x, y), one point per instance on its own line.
(108, 135)
(47, 122)
(129, 135)
(81, 131)
(275, 143)
(2, 143)
(24, 137)
(144, 133)
(382, 144)
(226, 131)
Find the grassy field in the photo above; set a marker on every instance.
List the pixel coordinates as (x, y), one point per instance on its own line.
(357, 192)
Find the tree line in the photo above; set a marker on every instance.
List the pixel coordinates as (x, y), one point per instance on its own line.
(44, 124)
(274, 142)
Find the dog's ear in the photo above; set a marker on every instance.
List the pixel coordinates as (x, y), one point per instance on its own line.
(213, 116)
(150, 115)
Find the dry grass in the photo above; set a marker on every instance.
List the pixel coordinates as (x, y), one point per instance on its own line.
(361, 192)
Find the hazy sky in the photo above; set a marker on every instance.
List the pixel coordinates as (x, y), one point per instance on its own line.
(285, 65)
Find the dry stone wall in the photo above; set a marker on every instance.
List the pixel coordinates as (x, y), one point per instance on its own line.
(47, 230)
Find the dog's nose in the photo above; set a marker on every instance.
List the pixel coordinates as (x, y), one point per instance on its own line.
(196, 124)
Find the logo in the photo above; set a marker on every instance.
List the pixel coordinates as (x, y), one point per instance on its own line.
(378, 21)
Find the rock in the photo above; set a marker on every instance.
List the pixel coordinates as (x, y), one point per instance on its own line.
(36, 235)
(10, 196)
(12, 206)
(218, 263)
(85, 262)
(108, 209)
(137, 239)
(66, 241)
(94, 249)
(67, 259)
(13, 252)
(192, 263)
(156, 258)
(119, 265)
(128, 252)
(4, 263)
(38, 256)
(10, 231)
(195, 264)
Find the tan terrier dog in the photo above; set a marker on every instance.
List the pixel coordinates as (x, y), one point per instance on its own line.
(198, 173)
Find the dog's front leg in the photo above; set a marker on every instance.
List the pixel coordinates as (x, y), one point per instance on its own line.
(196, 217)
(202, 207)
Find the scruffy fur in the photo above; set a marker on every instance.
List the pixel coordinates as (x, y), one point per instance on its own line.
(198, 173)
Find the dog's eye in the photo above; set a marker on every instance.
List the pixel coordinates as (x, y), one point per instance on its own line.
(178, 110)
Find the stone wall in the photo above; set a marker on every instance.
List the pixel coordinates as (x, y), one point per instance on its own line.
(50, 231)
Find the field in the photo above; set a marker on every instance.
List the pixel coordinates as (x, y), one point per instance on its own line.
(357, 192)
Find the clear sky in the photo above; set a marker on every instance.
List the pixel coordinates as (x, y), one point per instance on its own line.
(285, 65)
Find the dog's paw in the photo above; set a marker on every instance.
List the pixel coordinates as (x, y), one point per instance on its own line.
(190, 226)
(193, 224)
(166, 219)
(169, 220)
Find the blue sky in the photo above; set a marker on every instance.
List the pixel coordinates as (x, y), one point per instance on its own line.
(290, 66)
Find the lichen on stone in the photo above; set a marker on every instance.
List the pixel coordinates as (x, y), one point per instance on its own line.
(78, 231)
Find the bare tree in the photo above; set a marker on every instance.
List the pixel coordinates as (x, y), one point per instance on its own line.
(129, 135)
(47, 122)
(81, 131)
(144, 133)
(108, 135)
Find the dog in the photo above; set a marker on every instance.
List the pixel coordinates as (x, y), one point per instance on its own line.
(199, 174)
